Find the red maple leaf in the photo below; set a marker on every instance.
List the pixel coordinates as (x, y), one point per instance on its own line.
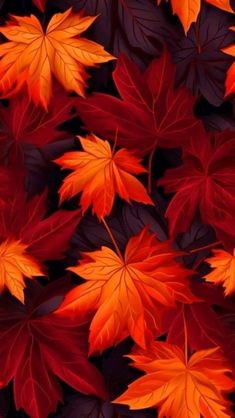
(151, 113)
(208, 322)
(205, 181)
(204, 324)
(30, 235)
(22, 123)
(36, 347)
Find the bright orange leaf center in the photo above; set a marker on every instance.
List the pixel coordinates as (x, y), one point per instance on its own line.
(32, 56)
(15, 265)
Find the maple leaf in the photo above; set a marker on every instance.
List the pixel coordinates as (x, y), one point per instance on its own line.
(37, 348)
(91, 407)
(205, 180)
(46, 236)
(152, 113)
(188, 10)
(127, 294)
(98, 173)
(230, 78)
(223, 264)
(32, 56)
(201, 64)
(222, 4)
(136, 27)
(15, 264)
(201, 319)
(22, 123)
(180, 387)
(204, 326)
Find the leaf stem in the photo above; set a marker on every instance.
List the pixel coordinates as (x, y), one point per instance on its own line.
(185, 338)
(112, 238)
(205, 247)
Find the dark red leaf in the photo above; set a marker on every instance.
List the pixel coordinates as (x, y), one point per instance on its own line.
(26, 219)
(151, 113)
(201, 64)
(136, 27)
(49, 239)
(23, 123)
(205, 181)
(36, 348)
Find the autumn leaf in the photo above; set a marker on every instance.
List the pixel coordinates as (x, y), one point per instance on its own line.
(90, 407)
(27, 220)
(136, 27)
(15, 265)
(201, 65)
(204, 181)
(222, 4)
(126, 294)
(37, 350)
(32, 56)
(230, 79)
(180, 387)
(29, 236)
(203, 322)
(24, 124)
(223, 265)
(188, 10)
(204, 326)
(201, 319)
(152, 112)
(99, 173)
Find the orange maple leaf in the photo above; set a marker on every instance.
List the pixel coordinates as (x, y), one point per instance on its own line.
(223, 264)
(180, 388)
(15, 264)
(98, 173)
(32, 56)
(188, 10)
(230, 78)
(127, 294)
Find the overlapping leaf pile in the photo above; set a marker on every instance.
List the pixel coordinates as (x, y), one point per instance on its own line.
(117, 209)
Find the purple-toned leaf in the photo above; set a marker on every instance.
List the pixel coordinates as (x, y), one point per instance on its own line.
(40, 169)
(125, 221)
(90, 407)
(136, 27)
(197, 236)
(24, 124)
(201, 65)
